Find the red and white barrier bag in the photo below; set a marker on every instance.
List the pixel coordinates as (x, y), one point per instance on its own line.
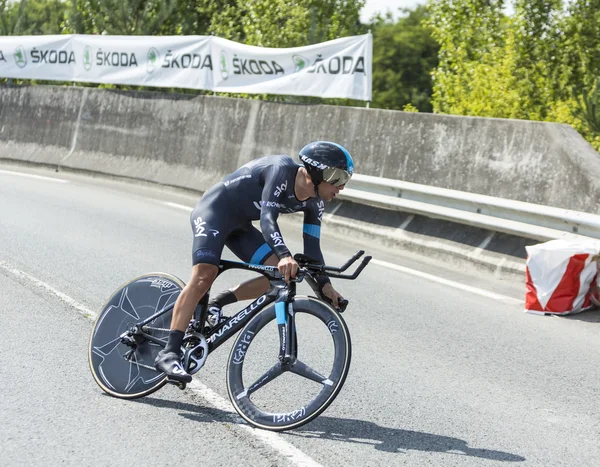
(561, 277)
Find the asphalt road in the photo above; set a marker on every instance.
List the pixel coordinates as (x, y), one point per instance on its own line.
(440, 375)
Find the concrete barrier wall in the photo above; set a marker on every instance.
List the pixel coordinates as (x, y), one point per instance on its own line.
(192, 142)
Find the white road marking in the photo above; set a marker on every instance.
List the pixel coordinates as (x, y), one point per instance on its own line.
(407, 221)
(291, 453)
(38, 283)
(441, 280)
(485, 242)
(275, 441)
(39, 177)
(177, 206)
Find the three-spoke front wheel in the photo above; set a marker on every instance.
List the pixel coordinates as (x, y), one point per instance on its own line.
(274, 396)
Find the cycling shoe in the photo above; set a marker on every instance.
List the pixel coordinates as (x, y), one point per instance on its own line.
(170, 364)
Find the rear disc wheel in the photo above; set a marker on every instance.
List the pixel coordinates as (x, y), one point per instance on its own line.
(127, 371)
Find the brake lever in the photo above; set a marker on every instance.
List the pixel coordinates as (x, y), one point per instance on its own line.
(342, 303)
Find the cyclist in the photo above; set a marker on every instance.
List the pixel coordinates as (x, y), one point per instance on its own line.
(261, 189)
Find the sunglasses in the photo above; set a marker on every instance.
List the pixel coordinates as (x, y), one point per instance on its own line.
(335, 176)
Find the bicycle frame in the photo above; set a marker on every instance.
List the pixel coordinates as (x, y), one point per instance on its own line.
(280, 292)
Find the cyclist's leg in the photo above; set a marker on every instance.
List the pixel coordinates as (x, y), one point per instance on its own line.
(254, 288)
(210, 230)
(203, 275)
(168, 360)
(249, 245)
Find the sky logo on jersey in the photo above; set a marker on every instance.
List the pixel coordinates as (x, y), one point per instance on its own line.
(321, 206)
(280, 189)
(199, 226)
(277, 240)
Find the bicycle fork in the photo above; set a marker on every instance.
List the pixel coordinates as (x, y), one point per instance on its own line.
(286, 324)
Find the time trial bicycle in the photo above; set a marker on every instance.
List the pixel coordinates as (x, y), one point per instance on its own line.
(133, 326)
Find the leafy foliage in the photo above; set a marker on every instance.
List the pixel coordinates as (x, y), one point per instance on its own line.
(534, 65)
(31, 17)
(404, 53)
(588, 108)
(120, 17)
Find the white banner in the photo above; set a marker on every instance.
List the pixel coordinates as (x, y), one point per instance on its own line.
(340, 68)
(37, 57)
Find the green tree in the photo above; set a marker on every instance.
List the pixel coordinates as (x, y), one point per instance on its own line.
(119, 17)
(31, 17)
(281, 23)
(8, 17)
(589, 108)
(470, 34)
(404, 55)
(196, 17)
(537, 50)
(581, 45)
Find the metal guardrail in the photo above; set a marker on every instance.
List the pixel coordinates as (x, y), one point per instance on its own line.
(501, 215)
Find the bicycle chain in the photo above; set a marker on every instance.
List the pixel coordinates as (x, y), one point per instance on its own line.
(156, 329)
(145, 366)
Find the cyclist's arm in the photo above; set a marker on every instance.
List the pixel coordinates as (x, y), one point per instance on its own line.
(269, 212)
(312, 237)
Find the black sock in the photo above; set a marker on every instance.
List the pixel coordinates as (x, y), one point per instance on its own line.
(227, 297)
(174, 342)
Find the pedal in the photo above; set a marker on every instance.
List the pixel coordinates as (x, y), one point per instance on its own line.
(194, 357)
(180, 384)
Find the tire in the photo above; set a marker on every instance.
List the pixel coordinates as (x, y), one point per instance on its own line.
(135, 301)
(326, 322)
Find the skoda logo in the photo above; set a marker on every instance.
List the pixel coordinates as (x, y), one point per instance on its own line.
(87, 58)
(152, 63)
(300, 62)
(223, 65)
(20, 57)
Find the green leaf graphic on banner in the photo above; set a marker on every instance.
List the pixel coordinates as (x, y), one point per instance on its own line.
(153, 56)
(87, 58)
(20, 58)
(300, 62)
(224, 72)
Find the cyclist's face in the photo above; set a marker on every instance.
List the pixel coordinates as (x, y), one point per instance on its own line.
(327, 191)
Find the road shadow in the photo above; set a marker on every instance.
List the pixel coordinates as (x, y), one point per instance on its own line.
(394, 439)
(194, 412)
(349, 431)
(589, 316)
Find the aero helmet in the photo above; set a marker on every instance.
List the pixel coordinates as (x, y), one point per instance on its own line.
(327, 162)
